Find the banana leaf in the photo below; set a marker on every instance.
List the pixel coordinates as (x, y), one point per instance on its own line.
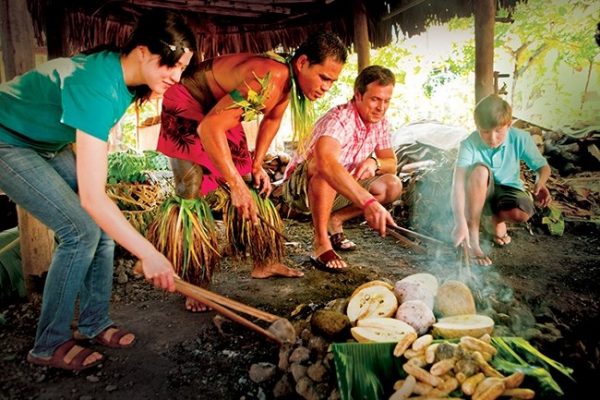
(369, 370)
(366, 371)
(11, 273)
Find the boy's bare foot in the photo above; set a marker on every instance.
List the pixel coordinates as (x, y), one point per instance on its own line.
(478, 257)
(194, 305)
(274, 269)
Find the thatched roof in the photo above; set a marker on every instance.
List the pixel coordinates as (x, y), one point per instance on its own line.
(225, 26)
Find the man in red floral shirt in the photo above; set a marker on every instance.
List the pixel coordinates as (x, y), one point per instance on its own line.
(348, 168)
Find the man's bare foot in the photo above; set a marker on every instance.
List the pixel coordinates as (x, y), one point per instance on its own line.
(274, 269)
(194, 305)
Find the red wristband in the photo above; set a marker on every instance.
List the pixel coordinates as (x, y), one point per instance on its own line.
(368, 202)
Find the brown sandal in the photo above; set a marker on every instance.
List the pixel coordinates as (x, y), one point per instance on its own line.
(341, 243)
(322, 261)
(58, 358)
(113, 342)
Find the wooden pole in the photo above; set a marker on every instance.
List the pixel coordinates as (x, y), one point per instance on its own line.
(16, 32)
(36, 241)
(361, 34)
(485, 12)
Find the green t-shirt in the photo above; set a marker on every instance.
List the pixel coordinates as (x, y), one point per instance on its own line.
(42, 108)
(503, 161)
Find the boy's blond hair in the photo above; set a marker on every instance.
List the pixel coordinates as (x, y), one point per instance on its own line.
(492, 111)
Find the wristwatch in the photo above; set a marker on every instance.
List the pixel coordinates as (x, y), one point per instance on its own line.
(377, 162)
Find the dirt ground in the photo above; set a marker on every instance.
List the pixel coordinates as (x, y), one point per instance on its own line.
(549, 285)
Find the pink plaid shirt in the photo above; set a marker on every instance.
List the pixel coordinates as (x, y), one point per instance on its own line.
(357, 139)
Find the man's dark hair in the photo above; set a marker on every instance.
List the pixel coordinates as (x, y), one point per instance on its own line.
(319, 46)
(373, 73)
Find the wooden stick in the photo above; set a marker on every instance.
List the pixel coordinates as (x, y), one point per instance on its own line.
(217, 298)
(465, 262)
(407, 242)
(224, 301)
(274, 228)
(184, 288)
(418, 235)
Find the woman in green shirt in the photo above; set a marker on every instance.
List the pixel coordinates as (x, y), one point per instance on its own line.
(77, 100)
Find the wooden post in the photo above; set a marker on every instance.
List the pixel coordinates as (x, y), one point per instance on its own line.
(361, 34)
(37, 241)
(485, 12)
(16, 32)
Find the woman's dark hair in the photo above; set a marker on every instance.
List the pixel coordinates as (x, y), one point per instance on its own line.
(373, 73)
(318, 46)
(164, 33)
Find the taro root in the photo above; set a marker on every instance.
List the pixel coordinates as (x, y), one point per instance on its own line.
(417, 314)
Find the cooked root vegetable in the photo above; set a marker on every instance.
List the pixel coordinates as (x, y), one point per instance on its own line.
(463, 325)
(417, 314)
(520, 393)
(442, 367)
(514, 380)
(470, 384)
(405, 291)
(421, 343)
(384, 284)
(475, 344)
(430, 353)
(486, 338)
(450, 384)
(454, 298)
(381, 330)
(489, 389)
(372, 302)
(422, 388)
(429, 281)
(404, 342)
(486, 368)
(410, 353)
(405, 390)
(421, 374)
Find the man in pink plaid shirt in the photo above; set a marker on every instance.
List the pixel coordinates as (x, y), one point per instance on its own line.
(348, 169)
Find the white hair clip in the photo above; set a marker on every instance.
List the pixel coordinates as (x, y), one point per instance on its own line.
(172, 47)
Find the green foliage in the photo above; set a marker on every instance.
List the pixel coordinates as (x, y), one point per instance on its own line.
(254, 102)
(129, 166)
(11, 274)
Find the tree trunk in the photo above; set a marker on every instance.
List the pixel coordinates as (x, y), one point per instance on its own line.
(485, 11)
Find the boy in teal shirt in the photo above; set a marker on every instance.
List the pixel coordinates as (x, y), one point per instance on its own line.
(487, 177)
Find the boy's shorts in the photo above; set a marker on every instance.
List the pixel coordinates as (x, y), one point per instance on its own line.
(503, 198)
(295, 190)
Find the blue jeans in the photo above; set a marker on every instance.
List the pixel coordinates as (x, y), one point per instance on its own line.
(45, 184)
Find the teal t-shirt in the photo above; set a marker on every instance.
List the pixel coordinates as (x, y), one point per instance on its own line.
(42, 108)
(503, 161)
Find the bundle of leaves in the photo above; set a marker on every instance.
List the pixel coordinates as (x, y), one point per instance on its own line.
(185, 232)
(130, 166)
(11, 275)
(260, 241)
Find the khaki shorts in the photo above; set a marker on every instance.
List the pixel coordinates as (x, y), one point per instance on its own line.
(295, 190)
(503, 198)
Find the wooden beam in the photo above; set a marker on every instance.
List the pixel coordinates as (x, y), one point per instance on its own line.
(361, 34)
(224, 7)
(401, 9)
(485, 12)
